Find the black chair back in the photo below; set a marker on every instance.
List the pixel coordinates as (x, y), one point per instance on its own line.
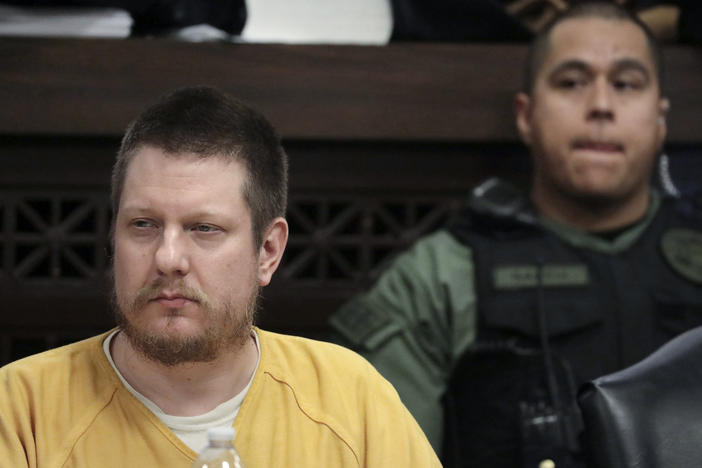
(648, 415)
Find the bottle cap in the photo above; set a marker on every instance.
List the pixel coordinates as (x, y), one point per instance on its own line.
(220, 433)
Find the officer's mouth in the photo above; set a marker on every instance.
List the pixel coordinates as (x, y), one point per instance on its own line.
(599, 146)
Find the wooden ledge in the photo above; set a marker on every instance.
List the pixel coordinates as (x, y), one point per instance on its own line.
(400, 92)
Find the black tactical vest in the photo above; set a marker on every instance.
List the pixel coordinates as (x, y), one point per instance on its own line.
(592, 312)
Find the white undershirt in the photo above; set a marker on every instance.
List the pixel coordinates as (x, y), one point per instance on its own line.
(192, 430)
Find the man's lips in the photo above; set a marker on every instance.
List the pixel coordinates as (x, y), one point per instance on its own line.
(599, 146)
(172, 300)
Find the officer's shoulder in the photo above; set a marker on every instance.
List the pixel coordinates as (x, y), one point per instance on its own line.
(498, 198)
(493, 207)
(439, 243)
(687, 205)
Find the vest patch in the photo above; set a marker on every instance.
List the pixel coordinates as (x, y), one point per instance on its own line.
(553, 275)
(682, 248)
(364, 326)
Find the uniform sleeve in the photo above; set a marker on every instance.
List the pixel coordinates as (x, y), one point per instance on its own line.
(415, 321)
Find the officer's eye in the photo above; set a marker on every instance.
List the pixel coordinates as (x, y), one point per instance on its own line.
(622, 85)
(567, 83)
(629, 81)
(570, 81)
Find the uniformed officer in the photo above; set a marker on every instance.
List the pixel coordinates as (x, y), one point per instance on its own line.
(487, 327)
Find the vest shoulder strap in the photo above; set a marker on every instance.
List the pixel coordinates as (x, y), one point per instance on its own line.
(494, 207)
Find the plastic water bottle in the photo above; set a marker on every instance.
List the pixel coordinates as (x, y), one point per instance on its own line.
(220, 451)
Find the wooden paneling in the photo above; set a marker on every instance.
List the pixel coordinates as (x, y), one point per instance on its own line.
(404, 91)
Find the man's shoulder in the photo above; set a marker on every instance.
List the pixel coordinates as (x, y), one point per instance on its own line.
(298, 355)
(333, 396)
(59, 388)
(57, 360)
(329, 383)
(68, 376)
(314, 368)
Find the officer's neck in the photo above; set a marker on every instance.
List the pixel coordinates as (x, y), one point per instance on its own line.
(589, 213)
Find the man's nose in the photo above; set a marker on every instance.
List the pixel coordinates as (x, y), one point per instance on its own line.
(600, 101)
(172, 257)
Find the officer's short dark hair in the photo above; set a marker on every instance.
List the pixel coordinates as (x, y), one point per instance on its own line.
(204, 121)
(588, 9)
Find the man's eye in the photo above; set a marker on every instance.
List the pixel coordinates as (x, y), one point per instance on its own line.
(142, 224)
(205, 228)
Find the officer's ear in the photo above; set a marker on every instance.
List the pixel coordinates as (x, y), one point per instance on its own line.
(663, 107)
(522, 113)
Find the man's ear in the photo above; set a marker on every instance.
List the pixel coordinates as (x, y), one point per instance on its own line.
(271, 251)
(522, 114)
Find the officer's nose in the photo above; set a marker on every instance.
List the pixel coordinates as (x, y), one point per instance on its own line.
(600, 101)
(171, 257)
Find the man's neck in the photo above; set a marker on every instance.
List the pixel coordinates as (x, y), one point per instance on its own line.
(589, 215)
(188, 389)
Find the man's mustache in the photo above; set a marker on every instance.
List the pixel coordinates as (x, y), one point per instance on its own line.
(162, 289)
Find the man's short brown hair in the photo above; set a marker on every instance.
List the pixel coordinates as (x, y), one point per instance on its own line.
(209, 123)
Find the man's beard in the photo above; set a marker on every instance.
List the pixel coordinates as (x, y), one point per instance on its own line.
(228, 328)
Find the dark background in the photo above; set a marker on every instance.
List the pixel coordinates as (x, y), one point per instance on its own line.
(384, 143)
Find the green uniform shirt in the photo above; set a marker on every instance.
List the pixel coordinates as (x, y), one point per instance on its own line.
(421, 315)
